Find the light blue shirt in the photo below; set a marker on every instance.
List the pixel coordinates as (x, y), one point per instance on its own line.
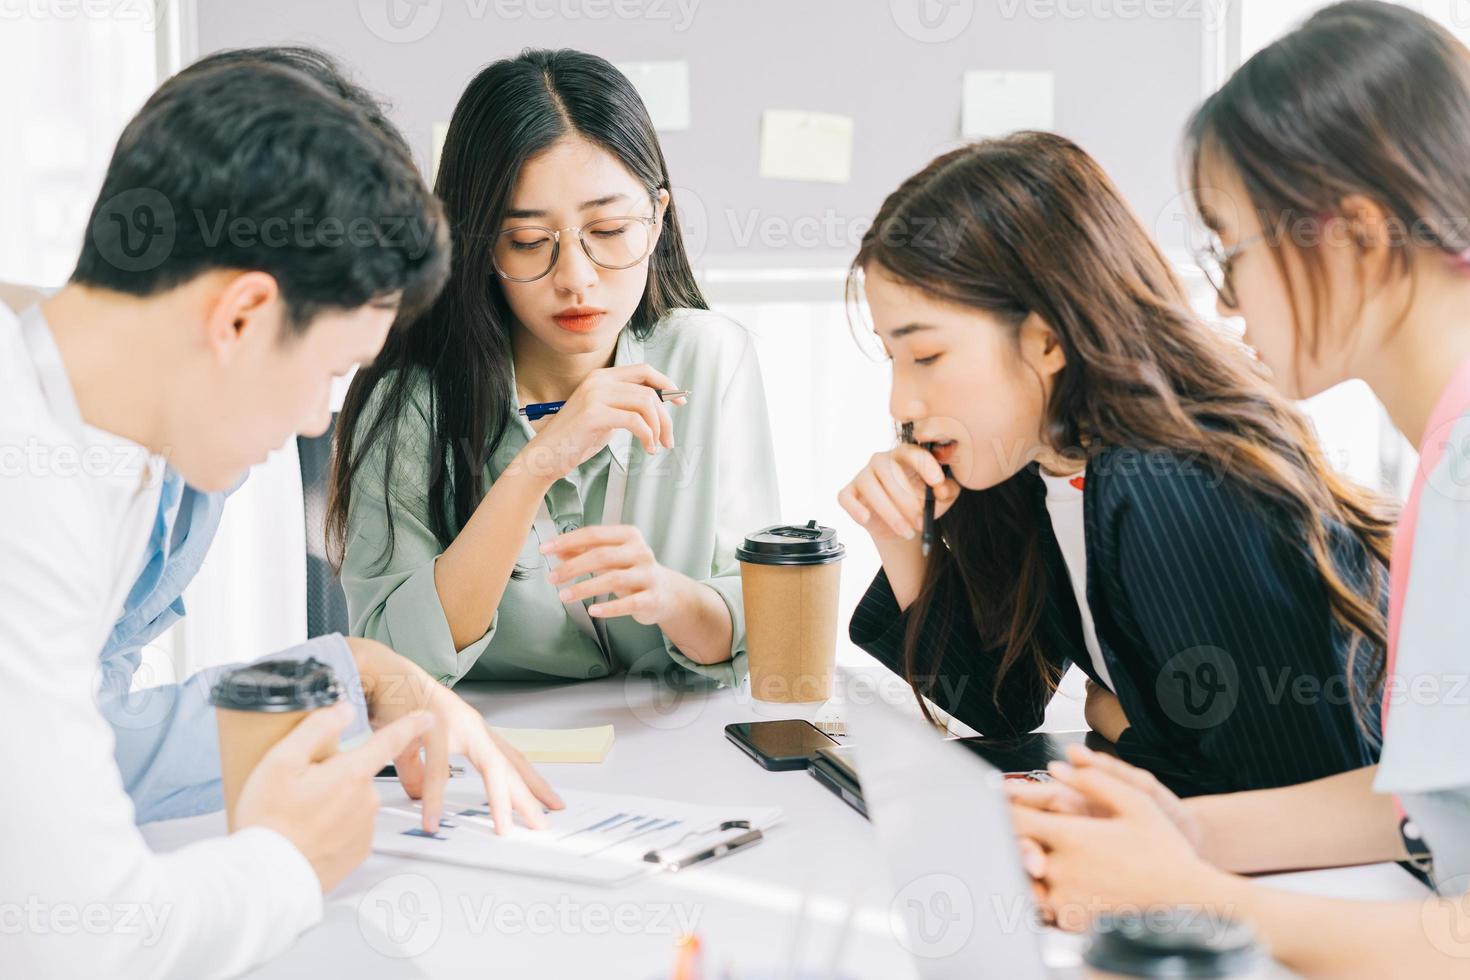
(167, 747)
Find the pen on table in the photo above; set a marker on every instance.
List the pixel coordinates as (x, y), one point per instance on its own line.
(926, 541)
(542, 409)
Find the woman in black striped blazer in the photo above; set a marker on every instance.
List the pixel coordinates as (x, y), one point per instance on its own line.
(1117, 488)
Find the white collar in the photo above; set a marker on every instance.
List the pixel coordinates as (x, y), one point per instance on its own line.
(127, 464)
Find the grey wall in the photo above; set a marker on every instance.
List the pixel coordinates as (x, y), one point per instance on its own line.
(1127, 74)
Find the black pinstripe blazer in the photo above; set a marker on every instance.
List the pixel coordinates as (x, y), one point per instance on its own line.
(1210, 616)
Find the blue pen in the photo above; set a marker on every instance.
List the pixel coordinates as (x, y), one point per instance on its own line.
(542, 409)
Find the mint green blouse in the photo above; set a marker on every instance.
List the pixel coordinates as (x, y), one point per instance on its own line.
(693, 504)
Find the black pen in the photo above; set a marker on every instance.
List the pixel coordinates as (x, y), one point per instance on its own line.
(926, 541)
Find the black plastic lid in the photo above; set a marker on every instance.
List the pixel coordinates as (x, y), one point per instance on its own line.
(1183, 943)
(277, 686)
(792, 544)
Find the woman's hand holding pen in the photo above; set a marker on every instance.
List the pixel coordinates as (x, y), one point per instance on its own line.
(625, 397)
(887, 497)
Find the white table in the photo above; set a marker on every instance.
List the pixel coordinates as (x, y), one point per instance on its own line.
(399, 918)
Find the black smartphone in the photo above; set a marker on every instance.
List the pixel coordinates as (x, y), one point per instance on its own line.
(834, 768)
(779, 745)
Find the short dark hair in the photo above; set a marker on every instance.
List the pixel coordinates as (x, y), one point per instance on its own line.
(253, 165)
(320, 66)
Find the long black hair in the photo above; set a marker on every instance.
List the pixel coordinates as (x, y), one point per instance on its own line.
(512, 110)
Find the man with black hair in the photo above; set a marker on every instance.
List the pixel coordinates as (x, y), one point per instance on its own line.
(165, 742)
(255, 237)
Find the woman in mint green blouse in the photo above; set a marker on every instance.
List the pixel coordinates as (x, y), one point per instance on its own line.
(600, 538)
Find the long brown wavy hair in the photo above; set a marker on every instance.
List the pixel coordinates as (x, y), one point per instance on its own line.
(1031, 224)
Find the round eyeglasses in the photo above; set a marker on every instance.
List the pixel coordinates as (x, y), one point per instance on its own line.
(528, 252)
(1218, 265)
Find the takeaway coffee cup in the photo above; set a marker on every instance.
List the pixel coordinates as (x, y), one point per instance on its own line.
(789, 576)
(256, 705)
(1180, 943)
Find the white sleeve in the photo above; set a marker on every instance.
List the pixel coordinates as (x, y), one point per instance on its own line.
(80, 891)
(1428, 707)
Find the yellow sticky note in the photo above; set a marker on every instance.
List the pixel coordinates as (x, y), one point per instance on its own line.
(1001, 102)
(814, 146)
(560, 744)
(440, 131)
(664, 88)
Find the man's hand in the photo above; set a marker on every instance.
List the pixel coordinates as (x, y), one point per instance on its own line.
(323, 803)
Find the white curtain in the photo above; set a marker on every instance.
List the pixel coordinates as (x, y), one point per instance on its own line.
(249, 599)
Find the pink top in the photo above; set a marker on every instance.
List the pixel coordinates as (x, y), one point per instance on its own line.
(1454, 403)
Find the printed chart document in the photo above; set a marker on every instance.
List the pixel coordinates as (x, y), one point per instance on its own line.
(600, 838)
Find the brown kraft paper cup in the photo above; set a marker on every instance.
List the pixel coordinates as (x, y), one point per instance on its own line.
(256, 706)
(790, 575)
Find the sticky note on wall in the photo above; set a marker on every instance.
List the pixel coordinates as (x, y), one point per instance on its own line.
(813, 146)
(664, 88)
(440, 131)
(1000, 102)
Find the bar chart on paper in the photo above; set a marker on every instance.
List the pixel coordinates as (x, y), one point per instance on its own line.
(601, 838)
